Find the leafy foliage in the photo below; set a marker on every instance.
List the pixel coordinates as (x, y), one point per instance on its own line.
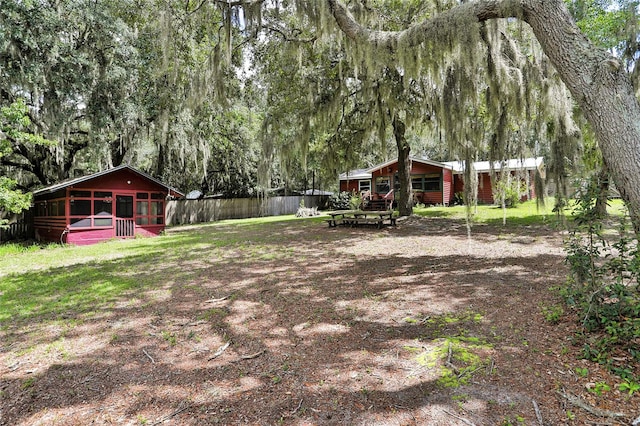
(344, 201)
(15, 128)
(603, 287)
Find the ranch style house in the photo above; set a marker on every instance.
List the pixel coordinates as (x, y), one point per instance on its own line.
(436, 182)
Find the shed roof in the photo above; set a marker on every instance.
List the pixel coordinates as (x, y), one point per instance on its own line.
(414, 160)
(75, 181)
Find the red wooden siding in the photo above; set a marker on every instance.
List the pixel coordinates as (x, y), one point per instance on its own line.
(485, 191)
(447, 186)
(349, 185)
(450, 183)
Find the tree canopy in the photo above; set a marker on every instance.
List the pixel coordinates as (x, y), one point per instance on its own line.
(232, 96)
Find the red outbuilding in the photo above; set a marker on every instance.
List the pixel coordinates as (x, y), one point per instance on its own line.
(121, 202)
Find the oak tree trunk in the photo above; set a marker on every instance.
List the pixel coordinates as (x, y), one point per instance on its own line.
(598, 81)
(405, 198)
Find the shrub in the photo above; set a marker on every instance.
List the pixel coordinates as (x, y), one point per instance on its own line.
(510, 189)
(603, 287)
(345, 201)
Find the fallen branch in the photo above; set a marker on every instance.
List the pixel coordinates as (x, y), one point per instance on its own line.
(252, 356)
(538, 413)
(581, 403)
(216, 300)
(491, 366)
(192, 324)
(163, 419)
(220, 350)
(462, 419)
(149, 356)
(297, 408)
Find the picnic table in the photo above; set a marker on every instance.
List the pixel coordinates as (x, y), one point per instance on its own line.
(361, 217)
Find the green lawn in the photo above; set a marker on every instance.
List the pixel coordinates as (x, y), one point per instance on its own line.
(527, 213)
(49, 280)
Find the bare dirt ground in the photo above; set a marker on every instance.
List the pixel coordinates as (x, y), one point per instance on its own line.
(299, 324)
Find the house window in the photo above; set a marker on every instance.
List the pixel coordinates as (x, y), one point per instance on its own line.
(41, 208)
(383, 185)
(430, 182)
(364, 185)
(80, 222)
(103, 208)
(89, 211)
(102, 221)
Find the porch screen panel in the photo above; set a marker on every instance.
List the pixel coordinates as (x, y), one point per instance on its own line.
(142, 212)
(103, 210)
(80, 207)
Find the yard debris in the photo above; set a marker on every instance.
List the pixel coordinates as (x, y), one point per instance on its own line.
(462, 419)
(538, 413)
(252, 356)
(183, 406)
(581, 403)
(222, 299)
(307, 212)
(297, 408)
(220, 350)
(149, 356)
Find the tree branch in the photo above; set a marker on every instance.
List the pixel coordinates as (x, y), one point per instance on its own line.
(477, 11)
(288, 38)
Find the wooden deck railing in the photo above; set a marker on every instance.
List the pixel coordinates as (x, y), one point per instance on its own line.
(125, 227)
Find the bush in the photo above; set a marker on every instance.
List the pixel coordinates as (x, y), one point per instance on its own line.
(458, 199)
(603, 287)
(511, 189)
(345, 201)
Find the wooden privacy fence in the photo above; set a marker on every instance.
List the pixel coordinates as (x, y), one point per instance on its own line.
(20, 230)
(179, 212)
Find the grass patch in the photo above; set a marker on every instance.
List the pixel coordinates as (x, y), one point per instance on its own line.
(459, 359)
(45, 282)
(526, 213)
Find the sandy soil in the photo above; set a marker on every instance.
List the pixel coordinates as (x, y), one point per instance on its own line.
(300, 324)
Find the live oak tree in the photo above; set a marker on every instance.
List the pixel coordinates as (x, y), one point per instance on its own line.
(599, 82)
(70, 62)
(493, 93)
(152, 84)
(15, 129)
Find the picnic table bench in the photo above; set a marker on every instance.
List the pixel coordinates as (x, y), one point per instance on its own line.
(360, 217)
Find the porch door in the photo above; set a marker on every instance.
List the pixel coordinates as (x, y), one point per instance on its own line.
(125, 226)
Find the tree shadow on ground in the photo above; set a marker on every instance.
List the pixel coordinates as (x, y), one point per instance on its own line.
(323, 327)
